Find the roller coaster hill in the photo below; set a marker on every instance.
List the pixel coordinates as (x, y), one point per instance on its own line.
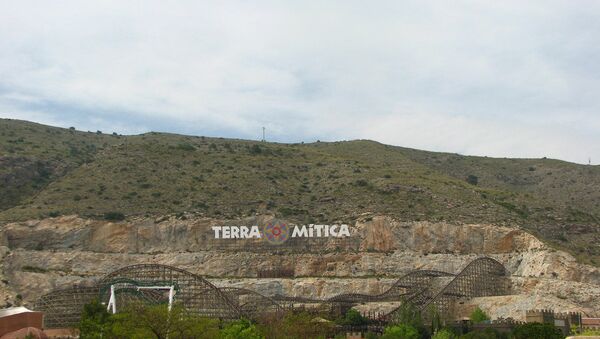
(156, 284)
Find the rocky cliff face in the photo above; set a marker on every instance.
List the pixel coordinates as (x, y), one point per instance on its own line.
(39, 255)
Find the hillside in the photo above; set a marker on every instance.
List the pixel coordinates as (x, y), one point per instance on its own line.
(47, 171)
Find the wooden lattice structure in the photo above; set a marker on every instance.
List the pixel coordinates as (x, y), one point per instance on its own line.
(408, 285)
(250, 303)
(482, 277)
(63, 308)
(194, 293)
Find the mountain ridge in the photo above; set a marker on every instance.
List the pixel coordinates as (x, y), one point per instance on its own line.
(48, 171)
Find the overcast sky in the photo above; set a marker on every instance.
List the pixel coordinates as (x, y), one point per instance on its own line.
(496, 78)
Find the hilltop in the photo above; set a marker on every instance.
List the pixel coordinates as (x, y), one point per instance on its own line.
(47, 172)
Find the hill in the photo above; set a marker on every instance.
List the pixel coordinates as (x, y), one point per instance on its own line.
(48, 171)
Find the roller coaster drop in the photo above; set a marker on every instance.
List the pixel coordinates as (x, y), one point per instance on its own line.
(147, 282)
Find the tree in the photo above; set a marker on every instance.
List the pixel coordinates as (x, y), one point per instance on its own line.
(402, 331)
(353, 318)
(241, 329)
(95, 321)
(537, 331)
(443, 334)
(156, 321)
(478, 316)
(408, 314)
(436, 319)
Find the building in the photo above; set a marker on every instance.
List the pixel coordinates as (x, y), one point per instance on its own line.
(16, 318)
(590, 323)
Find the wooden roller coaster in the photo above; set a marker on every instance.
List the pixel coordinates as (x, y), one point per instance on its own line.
(482, 277)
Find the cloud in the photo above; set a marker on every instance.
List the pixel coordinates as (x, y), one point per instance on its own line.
(503, 79)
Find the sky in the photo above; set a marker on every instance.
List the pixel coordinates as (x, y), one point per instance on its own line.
(494, 78)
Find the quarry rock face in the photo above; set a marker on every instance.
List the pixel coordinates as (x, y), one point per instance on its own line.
(37, 256)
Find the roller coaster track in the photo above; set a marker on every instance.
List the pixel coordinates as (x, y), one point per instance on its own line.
(251, 303)
(408, 285)
(480, 278)
(62, 308)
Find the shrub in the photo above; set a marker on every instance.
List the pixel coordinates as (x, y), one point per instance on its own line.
(255, 149)
(184, 146)
(472, 179)
(488, 333)
(361, 183)
(33, 269)
(114, 216)
(537, 331)
(294, 325)
(478, 316)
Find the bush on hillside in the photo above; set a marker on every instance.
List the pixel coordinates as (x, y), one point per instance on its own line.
(114, 216)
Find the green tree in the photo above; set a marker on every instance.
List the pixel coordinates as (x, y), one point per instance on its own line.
(95, 321)
(443, 334)
(241, 329)
(436, 319)
(537, 331)
(402, 331)
(353, 318)
(408, 314)
(478, 316)
(156, 321)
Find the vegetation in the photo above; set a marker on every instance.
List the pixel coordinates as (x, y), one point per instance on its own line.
(353, 318)
(586, 332)
(242, 329)
(51, 171)
(33, 269)
(295, 325)
(114, 216)
(443, 334)
(143, 321)
(488, 333)
(402, 331)
(156, 321)
(537, 331)
(95, 321)
(478, 316)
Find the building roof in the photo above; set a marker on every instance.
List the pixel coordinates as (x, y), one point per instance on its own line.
(13, 310)
(590, 321)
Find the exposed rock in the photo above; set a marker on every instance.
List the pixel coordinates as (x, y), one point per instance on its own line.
(40, 255)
